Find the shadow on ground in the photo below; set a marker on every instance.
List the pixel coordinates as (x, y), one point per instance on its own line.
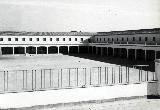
(117, 60)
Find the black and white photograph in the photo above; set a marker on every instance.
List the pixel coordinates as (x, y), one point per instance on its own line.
(79, 54)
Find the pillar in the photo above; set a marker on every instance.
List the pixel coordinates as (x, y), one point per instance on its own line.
(58, 49)
(36, 50)
(25, 51)
(78, 49)
(101, 51)
(47, 49)
(13, 50)
(135, 54)
(155, 54)
(127, 53)
(145, 55)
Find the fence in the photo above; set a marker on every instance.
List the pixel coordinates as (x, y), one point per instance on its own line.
(57, 78)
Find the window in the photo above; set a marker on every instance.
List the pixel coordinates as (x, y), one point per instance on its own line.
(1, 39)
(108, 39)
(23, 39)
(133, 39)
(16, 39)
(117, 39)
(146, 38)
(81, 39)
(104, 39)
(97, 39)
(112, 39)
(37, 39)
(154, 39)
(44, 39)
(127, 38)
(139, 38)
(75, 39)
(100, 39)
(9, 39)
(69, 39)
(64, 39)
(122, 39)
(57, 39)
(30, 39)
(50, 39)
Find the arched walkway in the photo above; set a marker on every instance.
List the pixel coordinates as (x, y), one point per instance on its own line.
(19, 50)
(42, 50)
(52, 49)
(73, 49)
(63, 49)
(7, 50)
(31, 50)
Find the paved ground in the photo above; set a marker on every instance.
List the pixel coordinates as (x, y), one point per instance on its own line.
(134, 104)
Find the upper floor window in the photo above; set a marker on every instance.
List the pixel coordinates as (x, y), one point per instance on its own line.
(50, 39)
(1, 39)
(69, 39)
(64, 39)
(44, 39)
(127, 38)
(30, 39)
(37, 39)
(57, 39)
(81, 39)
(154, 39)
(146, 38)
(112, 39)
(133, 39)
(139, 38)
(99, 39)
(9, 39)
(75, 39)
(16, 39)
(104, 39)
(23, 39)
(122, 39)
(108, 39)
(117, 39)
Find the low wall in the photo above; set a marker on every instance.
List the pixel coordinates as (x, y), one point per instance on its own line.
(63, 96)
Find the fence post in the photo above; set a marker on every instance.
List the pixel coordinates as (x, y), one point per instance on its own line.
(90, 76)
(77, 76)
(50, 77)
(61, 79)
(41, 78)
(4, 81)
(69, 76)
(32, 80)
(35, 79)
(7, 80)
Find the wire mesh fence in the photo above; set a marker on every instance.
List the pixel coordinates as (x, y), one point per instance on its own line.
(57, 78)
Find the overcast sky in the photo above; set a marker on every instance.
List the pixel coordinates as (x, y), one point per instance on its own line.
(84, 15)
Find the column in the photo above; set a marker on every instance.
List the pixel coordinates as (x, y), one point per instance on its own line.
(107, 51)
(13, 50)
(145, 55)
(101, 51)
(58, 49)
(36, 50)
(47, 49)
(113, 52)
(25, 50)
(155, 54)
(78, 49)
(127, 53)
(135, 54)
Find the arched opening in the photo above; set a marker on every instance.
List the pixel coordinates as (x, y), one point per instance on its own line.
(110, 51)
(73, 49)
(31, 50)
(123, 53)
(19, 50)
(116, 52)
(131, 53)
(7, 50)
(150, 55)
(63, 49)
(140, 54)
(52, 49)
(41, 50)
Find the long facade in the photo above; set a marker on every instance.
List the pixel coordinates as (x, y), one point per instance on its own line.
(135, 44)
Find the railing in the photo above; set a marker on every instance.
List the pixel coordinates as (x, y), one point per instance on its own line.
(57, 78)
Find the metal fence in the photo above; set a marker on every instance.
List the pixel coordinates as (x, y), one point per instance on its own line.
(57, 78)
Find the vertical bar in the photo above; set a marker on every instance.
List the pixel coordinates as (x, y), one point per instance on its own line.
(7, 80)
(128, 74)
(90, 76)
(23, 78)
(26, 79)
(112, 75)
(69, 76)
(105, 74)
(50, 77)
(61, 79)
(85, 76)
(32, 79)
(147, 74)
(4, 81)
(35, 79)
(41, 78)
(153, 75)
(121, 74)
(77, 76)
(58, 78)
(44, 78)
(139, 75)
(100, 74)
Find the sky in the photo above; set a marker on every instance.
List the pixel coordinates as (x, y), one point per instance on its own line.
(79, 15)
